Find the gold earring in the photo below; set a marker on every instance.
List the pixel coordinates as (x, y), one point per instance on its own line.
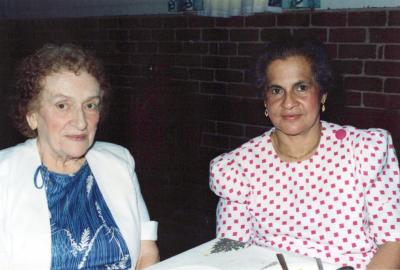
(323, 107)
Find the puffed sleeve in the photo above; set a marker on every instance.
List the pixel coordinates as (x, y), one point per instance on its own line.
(378, 168)
(148, 227)
(228, 181)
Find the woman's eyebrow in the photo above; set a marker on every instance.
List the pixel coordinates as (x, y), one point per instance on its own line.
(274, 85)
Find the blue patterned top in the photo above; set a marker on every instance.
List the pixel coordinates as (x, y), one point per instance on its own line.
(84, 234)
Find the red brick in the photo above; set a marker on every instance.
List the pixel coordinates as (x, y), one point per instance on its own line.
(363, 83)
(201, 22)
(129, 22)
(363, 118)
(332, 50)
(242, 90)
(140, 59)
(382, 68)
(147, 47)
(235, 142)
(215, 62)
(249, 76)
(348, 67)
(347, 35)
(367, 18)
(83, 23)
(328, 19)
(237, 21)
(179, 73)
(241, 62)
(201, 74)
(125, 47)
(184, 86)
(129, 69)
(215, 34)
(353, 98)
(226, 108)
(380, 35)
(253, 131)
(137, 34)
(151, 22)
(293, 19)
(108, 23)
(394, 17)
(389, 102)
(319, 33)
(163, 59)
(226, 48)
(272, 33)
(188, 34)
(209, 126)
(230, 129)
(392, 52)
(89, 35)
(357, 51)
(115, 58)
(194, 48)
(213, 47)
(244, 35)
(170, 47)
(380, 51)
(213, 88)
(217, 141)
(228, 76)
(188, 60)
(393, 102)
(262, 20)
(250, 49)
(392, 86)
(374, 100)
(367, 118)
(162, 35)
(175, 22)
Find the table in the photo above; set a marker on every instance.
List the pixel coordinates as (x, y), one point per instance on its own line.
(221, 254)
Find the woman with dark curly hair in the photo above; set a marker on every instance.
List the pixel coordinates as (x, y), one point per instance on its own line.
(308, 186)
(67, 202)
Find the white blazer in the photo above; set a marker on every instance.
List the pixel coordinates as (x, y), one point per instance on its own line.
(25, 239)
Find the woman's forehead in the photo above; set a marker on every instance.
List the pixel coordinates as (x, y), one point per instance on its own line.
(294, 66)
(69, 83)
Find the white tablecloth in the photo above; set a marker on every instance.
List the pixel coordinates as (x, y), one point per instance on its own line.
(251, 258)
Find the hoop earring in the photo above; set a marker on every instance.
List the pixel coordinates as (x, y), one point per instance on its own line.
(266, 113)
(323, 107)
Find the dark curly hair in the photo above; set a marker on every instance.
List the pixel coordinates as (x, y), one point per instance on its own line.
(313, 50)
(48, 60)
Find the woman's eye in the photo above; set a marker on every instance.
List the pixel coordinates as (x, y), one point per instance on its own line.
(276, 90)
(92, 106)
(61, 106)
(302, 87)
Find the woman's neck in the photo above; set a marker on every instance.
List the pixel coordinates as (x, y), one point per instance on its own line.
(58, 164)
(296, 147)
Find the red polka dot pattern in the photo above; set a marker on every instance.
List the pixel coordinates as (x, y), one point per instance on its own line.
(338, 205)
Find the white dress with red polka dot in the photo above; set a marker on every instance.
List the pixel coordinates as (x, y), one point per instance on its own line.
(338, 205)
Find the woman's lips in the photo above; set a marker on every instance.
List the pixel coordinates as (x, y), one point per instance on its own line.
(77, 137)
(291, 116)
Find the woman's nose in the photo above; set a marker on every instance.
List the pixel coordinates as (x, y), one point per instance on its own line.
(80, 119)
(289, 100)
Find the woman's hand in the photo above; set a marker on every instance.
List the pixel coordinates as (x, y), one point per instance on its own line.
(148, 254)
(387, 257)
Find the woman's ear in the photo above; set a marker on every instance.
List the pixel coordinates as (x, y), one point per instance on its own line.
(31, 118)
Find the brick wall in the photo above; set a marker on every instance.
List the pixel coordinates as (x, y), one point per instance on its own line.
(183, 93)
